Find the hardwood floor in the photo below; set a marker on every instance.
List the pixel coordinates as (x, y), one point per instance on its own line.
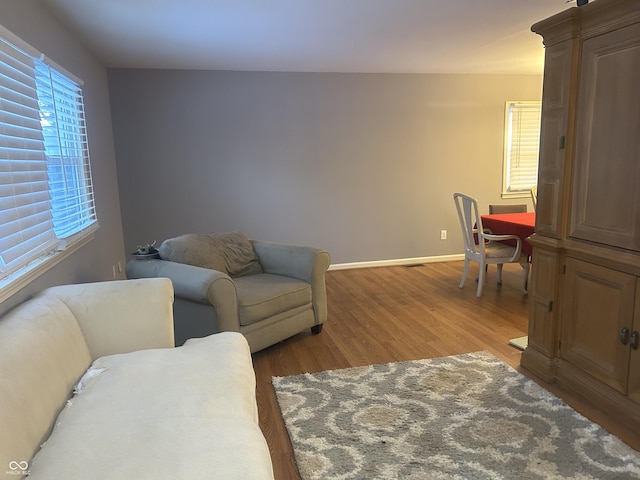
(391, 314)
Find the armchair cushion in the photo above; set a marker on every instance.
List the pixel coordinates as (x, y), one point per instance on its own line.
(231, 253)
(265, 295)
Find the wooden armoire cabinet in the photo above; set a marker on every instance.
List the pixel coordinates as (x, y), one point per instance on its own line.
(584, 321)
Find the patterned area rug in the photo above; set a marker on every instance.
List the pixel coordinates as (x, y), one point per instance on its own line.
(462, 417)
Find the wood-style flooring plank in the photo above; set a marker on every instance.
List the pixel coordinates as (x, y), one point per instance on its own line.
(393, 314)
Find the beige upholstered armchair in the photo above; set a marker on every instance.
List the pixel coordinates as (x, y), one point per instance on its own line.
(225, 282)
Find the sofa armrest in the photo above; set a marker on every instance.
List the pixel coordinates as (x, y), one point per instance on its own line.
(195, 284)
(305, 263)
(121, 316)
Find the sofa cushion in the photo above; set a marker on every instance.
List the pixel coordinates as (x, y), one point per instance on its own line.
(264, 295)
(43, 356)
(231, 253)
(186, 412)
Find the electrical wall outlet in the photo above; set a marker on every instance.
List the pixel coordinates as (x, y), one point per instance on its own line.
(443, 234)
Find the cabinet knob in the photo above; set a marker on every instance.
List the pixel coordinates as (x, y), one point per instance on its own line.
(624, 336)
(635, 339)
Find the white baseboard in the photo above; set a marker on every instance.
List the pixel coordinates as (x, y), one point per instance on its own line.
(397, 262)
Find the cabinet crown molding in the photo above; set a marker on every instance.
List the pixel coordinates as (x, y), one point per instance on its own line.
(593, 19)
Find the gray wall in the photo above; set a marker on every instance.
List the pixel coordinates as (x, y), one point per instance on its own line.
(29, 20)
(364, 165)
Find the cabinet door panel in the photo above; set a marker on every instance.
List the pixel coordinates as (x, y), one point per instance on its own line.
(634, 360)
(542, 334)
(606, 200)
(598, 304)
(555, 139)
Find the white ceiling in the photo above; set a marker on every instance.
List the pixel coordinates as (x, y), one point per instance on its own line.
(395, 36)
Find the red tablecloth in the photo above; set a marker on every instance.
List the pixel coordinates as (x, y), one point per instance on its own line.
(520, 224)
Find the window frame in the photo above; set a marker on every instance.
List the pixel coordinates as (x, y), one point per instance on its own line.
(532, 158)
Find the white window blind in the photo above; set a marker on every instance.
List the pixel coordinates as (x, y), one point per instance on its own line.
(26, 228)
(522, 141)
(65, 140)
(46, 195)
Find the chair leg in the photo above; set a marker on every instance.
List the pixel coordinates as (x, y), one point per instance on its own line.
(481, 276)
(499, 274)
(316, 329)
(525, 276)
(464, 272)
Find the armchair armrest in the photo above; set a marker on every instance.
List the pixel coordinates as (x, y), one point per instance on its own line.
(195, 284)
(297, 261)
(121, 316)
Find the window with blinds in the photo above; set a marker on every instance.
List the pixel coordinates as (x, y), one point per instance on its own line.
(46, 195)
(522, 141)
(65, 142)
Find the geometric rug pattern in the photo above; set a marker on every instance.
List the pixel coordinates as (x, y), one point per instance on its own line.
(464, 417)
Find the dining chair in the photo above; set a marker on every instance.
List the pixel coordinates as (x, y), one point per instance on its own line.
(483, 247)
(519, 208)
(502, 208)
(534, 197)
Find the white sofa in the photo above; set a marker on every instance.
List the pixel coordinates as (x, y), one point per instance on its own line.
(91, 387)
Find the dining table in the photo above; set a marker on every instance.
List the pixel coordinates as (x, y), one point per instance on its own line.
(521, 224)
